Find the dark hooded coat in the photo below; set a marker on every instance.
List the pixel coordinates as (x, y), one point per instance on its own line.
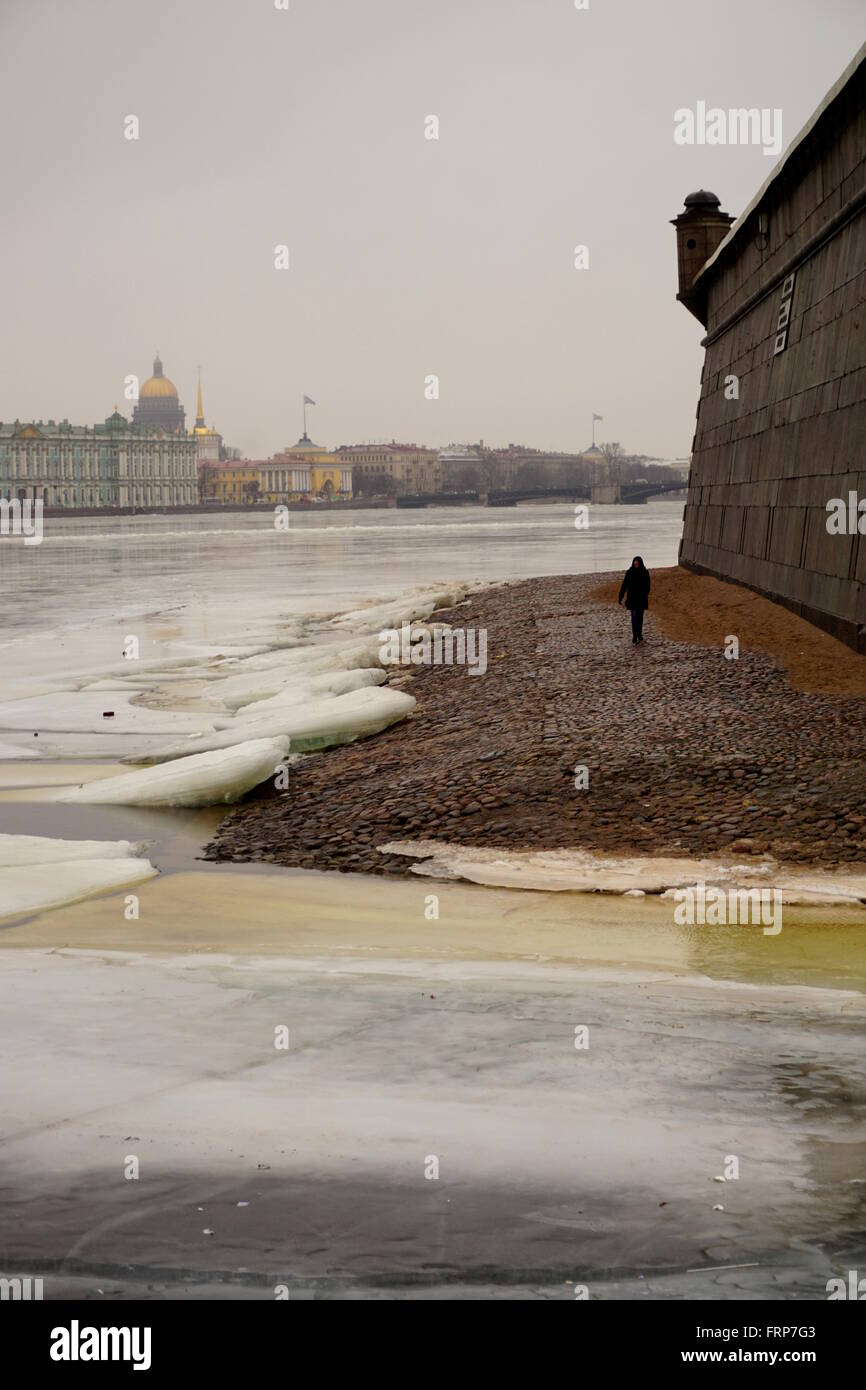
(636, 586)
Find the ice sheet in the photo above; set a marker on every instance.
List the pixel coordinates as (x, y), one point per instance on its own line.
(12, 752)
(315, 687)
(228, 678)
(390, 615)
(83, 711)
(582, 871)
(31, 889)
(292, 668)
(314, 724)
(38, 872)
(20, 850)
(204, 779)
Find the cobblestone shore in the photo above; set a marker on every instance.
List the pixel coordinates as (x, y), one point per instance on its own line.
(686, 752)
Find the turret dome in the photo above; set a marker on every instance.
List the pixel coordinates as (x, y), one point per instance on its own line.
(701, 199)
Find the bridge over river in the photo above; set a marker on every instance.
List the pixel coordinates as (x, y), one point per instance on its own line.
(600, 494)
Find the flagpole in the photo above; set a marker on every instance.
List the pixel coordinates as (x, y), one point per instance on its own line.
(593, 429)
(305, 416)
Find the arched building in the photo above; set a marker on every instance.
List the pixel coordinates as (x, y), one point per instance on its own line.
(304, 470)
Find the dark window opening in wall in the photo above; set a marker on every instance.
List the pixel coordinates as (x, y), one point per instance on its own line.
(781, 340)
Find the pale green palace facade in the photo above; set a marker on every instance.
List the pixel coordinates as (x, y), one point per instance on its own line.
(116, 464)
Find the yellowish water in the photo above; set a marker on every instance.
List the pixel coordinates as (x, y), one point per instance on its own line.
(253, 912)
(262, 911)
(27, 781)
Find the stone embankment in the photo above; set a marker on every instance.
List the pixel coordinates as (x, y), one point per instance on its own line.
(686, 752)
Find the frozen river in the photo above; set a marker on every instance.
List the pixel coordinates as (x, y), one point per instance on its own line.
(90, 571)
(160, 619)
(202, 644)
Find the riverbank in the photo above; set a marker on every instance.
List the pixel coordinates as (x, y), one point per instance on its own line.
(687, 753)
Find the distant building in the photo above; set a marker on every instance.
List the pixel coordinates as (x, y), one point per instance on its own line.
(230, 481)
(455, 456)
(597, 464)
(402, 469)
(116, 464)
(208, 443)
(303, 472)
(520, 467)
(782, 412)
(158, 403)
(463, 468)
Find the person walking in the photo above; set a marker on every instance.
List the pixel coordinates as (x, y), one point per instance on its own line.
(635, 589)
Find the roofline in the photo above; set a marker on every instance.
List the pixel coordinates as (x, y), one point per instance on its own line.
(775, 173)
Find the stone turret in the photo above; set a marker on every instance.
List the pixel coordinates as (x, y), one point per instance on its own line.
(700, 229)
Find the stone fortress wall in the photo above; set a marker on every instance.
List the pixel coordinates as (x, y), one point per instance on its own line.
(783, 299)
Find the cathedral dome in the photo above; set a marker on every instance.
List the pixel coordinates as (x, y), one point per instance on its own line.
(158, 386)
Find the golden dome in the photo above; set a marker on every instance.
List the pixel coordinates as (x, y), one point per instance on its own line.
(157, 385)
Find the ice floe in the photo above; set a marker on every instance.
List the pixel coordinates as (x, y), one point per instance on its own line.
(12, 752)
(314, 675)
(43, 849)
(293, 670)
(390, 615)
(312, 724)
(581, 871)
(38, 872)
(202, 779)
(312, 687)
(91, 711)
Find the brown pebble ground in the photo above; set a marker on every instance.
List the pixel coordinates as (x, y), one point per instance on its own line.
(687, 752)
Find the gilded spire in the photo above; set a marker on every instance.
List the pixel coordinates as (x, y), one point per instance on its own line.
(199, 418)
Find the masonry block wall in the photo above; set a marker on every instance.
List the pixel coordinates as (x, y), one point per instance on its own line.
(767, 461)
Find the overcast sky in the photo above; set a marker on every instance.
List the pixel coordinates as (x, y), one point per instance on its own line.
(408, 256)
